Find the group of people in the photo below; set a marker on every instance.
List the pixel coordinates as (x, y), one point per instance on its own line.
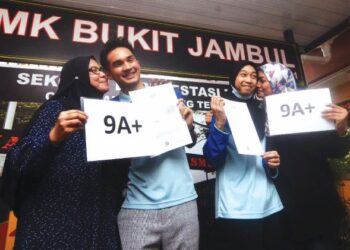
(284, 199)
(287, 199)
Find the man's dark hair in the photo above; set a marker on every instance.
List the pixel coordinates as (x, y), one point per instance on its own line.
(112, 44)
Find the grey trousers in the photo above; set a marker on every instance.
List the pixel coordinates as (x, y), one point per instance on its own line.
(170, 228)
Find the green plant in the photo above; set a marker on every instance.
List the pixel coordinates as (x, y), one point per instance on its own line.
(341, 166)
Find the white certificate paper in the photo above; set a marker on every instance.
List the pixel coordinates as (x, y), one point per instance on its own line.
(116, 130)
(161, 112)
(298, 112)
(242, 127)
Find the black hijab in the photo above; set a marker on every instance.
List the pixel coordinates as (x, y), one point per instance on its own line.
(256, 112)
(75, 83)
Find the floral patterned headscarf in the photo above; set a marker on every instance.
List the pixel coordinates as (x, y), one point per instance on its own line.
(280, 77)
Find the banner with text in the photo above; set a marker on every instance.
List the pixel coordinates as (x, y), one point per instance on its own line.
(52, 35)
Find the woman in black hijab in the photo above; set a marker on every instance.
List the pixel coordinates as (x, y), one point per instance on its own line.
(313, 209)
(239, 94)
(61, 200)
(247, 205)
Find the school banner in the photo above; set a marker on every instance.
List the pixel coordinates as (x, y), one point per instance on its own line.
(47, 34)
(36, 39)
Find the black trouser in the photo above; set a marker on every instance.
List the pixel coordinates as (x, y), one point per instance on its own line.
(328, 242)
(248, 234)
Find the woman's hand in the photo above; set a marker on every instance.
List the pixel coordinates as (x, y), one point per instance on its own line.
(217, 106)
(272, 158)
(66, 124)
(186, 113)
(208, 117)
(339, 115)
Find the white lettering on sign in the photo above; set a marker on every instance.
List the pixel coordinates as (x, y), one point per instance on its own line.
(35, 79)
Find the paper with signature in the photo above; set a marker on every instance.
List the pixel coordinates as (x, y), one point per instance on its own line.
(242, 127)
(169, 128)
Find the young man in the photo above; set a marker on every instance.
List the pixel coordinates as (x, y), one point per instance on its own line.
(160, 209)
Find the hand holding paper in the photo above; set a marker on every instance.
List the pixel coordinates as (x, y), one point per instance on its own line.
(298, 112)
(149, 126)
(116, 130)
(339, 115)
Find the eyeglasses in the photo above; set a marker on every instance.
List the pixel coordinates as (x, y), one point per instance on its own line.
(96, 70)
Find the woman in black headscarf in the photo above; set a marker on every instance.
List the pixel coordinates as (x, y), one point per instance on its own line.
(313, 209)
(61, 200)
(247, 204)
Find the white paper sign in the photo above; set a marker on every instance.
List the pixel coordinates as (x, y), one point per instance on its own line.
(298, 112)
(163, 115)
(116, 130)
(242, 127)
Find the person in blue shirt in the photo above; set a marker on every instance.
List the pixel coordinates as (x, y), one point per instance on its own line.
(247, 205)
(160, 209)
